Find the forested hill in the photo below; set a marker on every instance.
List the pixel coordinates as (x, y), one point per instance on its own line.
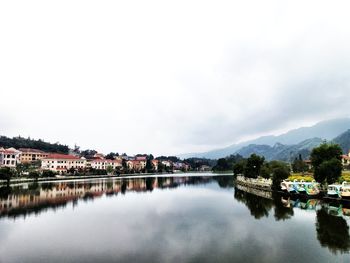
(20, 142)
(344, 141)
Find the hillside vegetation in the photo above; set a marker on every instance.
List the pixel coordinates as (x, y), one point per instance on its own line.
(20, 142)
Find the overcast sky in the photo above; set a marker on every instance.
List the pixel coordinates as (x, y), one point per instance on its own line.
(170, 77)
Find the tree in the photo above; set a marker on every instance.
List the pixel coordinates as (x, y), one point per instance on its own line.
(109, 169)
(111, 156)
(253, 166)
(222, 165)
(329, 171)
(149, 166)
(280, 171)
(326, 160)
(124, 165)
(238, 168)
(265, 171)
(299, 166)
(33, 174)
(6, 173)
(48, 173)
(160, 167)
(20, 142)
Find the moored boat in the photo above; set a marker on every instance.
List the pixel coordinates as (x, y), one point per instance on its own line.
(287, 186)
(311, 188)
(345, 191)
(334, 190)
(299, 187)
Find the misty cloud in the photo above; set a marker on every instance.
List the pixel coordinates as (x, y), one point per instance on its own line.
(170, 78)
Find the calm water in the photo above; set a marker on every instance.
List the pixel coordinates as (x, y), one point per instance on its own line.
(167, 219)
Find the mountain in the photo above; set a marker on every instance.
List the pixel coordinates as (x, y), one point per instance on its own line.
(281, 151)
(326, 130)
(344, 141)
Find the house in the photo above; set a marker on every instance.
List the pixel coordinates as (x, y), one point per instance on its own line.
(61, 163)
(309, 164)
(141, 158)
(136, 165)
(204, 168)
(181, 166)
(29, 155)
(99, 156)
(155, 164)
(345, 159)
(102, 164)
(9, 157)
(167, 163)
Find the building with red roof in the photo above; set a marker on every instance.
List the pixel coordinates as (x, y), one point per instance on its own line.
(61, 163)
(30, 155)
(9, 157)
(102, 164)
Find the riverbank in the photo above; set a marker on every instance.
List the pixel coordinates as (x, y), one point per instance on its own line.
(70, 178)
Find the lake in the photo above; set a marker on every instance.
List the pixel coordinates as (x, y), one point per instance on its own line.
(167, 219)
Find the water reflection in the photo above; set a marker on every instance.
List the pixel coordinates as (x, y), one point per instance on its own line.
(332, 231)
(331, 218)
(258, 206)
(34, 198)
(167, 219)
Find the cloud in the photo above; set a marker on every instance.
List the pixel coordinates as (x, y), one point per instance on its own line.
(170, 78)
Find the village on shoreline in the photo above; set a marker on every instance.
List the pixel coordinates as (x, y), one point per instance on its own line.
(35, 163)
(56, 161)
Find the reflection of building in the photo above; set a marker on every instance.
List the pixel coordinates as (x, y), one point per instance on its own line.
(9, 157)
(29, 155)
(61, 163)
(54, 194)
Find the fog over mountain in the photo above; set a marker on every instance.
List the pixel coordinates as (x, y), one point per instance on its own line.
(293, 141)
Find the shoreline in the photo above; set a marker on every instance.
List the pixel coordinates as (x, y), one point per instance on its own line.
(17, 181)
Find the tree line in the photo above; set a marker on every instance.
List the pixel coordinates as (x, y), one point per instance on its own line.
(20, 142)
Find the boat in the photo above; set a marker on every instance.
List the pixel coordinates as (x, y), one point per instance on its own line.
(311, 188)
(287, 186)
(299, 186)
(345, 191)
(334, 190)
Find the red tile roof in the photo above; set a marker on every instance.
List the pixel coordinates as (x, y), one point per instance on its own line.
(30, 150)
(8, 152)
(62, 156)
(346, 157)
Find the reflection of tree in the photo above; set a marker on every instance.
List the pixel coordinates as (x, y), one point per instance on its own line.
(47, 186)
(5, 191)
(282, 212)
(224, 181)
(258, 206)
(37, 197)
(332, 232)
(123, 187)
(149, 183)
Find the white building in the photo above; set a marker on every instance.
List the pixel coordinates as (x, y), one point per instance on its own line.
(102, 164)
(61, 163)
(9, 157)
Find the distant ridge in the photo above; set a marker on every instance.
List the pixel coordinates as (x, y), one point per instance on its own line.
(325, 130)
(344, 141)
